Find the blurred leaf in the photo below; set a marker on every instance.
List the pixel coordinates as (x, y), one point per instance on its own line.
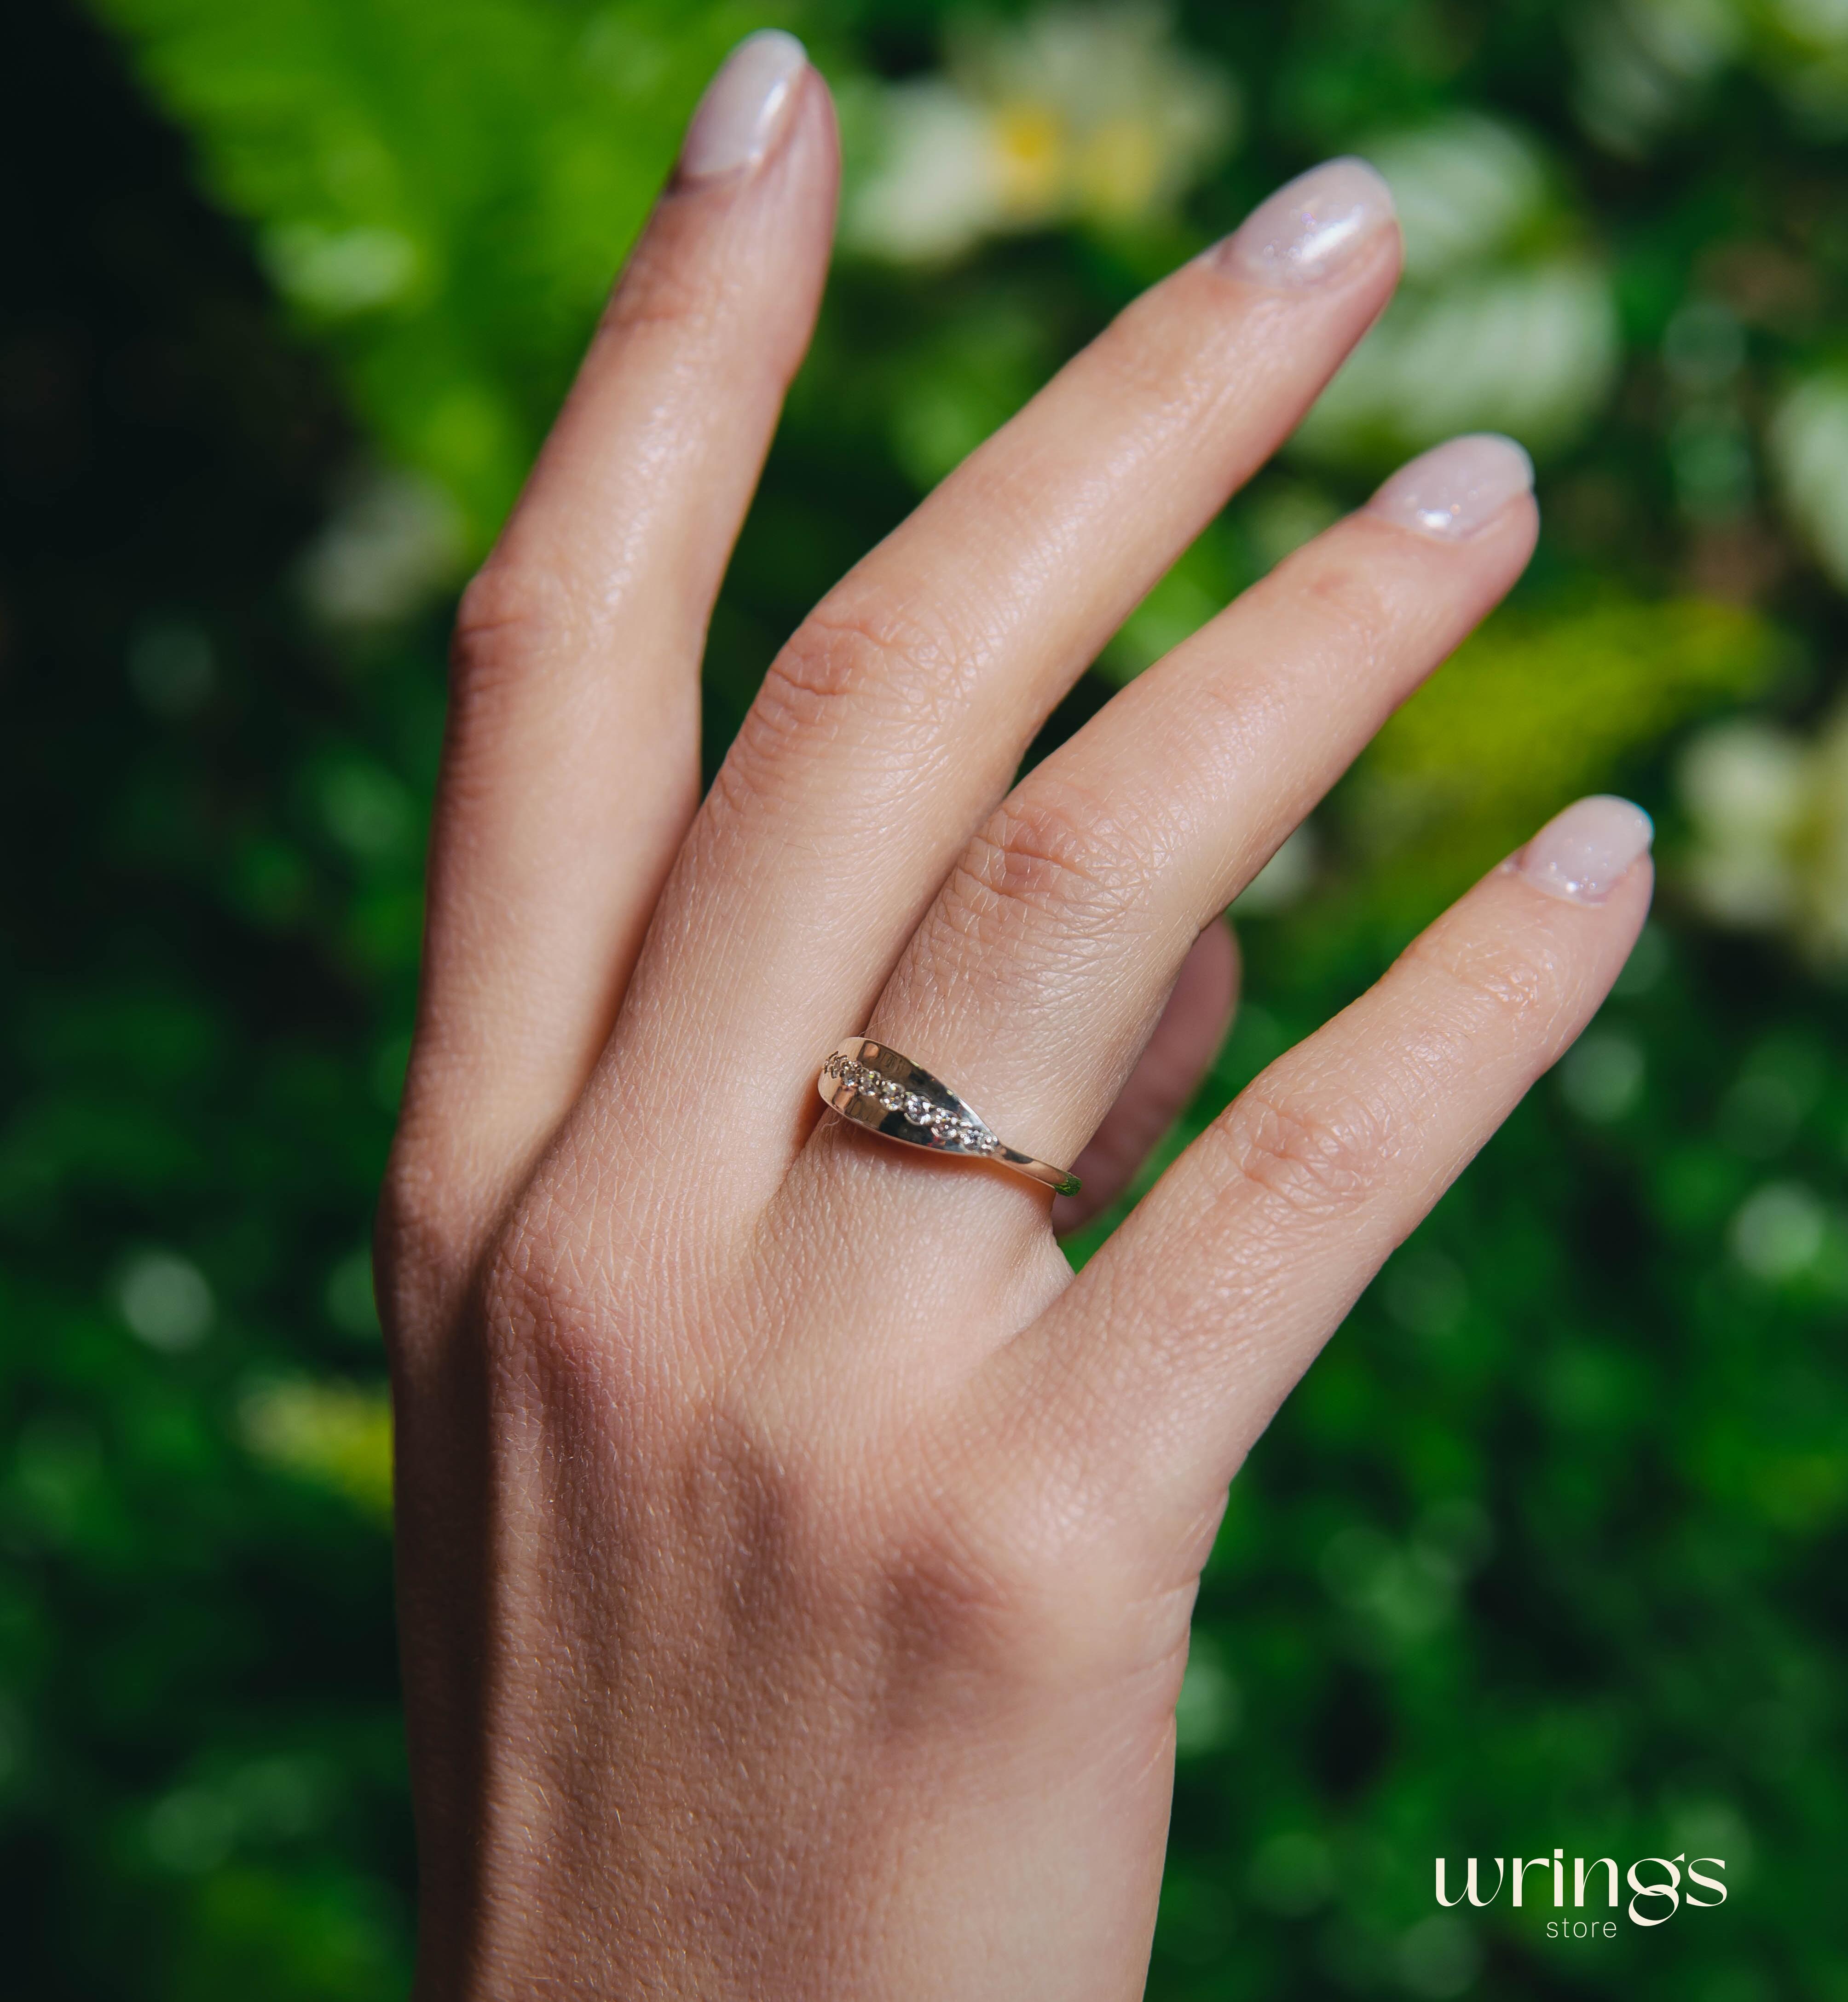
(1531, 713)
(337, 1435)
(442, 193)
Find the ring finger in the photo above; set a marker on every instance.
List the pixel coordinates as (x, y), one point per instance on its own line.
(1040, 970)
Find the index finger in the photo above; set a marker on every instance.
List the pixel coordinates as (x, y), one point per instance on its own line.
(571, 766)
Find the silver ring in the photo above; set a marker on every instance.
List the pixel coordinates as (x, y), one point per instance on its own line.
(876, 1087)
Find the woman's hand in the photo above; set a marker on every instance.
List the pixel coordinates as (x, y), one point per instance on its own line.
(796, 1561)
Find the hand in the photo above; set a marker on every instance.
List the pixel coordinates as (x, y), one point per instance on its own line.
(796, 1561)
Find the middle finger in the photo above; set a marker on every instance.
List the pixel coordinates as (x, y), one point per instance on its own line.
(896, 718)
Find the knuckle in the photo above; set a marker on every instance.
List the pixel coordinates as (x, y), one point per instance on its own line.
(955, 1601)
(1500, 983)
(421, 1243)
(1319, 1156)
(511, 614)
(551, 1333)
(665, 287)
(1052, 864)
(888, 685)
(853, 649)
(1346, 596)
(516, 1295)
(1011, 1572)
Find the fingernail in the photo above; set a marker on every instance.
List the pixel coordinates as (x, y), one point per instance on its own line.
(744, 106)
(1457, 488)
(1586, 852)
(1311, 226)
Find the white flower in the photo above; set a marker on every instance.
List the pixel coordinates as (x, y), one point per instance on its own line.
(1489, 331)
(1692, 38)
(393, 543)
(1804, 48)
(1530, 351)
(1770, 817)
(1809, 438)
(339, 272)
(940, 185)
(1642, 62)
(1779, 1233)
(1821, 24)
(166, 1301)
(1601, 1077)
(1747, 782)
(1463, 189)
(1081, 114)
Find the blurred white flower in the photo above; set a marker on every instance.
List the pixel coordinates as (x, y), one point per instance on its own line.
(1601, 1077)
(1529, 350)
(1804, 48)
(1770, 812)
(1691, 38)
(939, 186)
(1808, 441)
(1463, 189)
(1089, 113)
(1496, 327)
(1642, 62)
(1822, 23)
(393, 542)
(1779, 1233)
(339, 272)
(166, 1301)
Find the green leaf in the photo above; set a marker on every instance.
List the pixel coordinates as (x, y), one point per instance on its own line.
(442, 194)
(1531, 713)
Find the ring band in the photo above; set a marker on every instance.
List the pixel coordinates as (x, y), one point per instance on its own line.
(876, 1087)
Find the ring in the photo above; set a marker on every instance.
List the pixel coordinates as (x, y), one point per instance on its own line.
(876, 1087)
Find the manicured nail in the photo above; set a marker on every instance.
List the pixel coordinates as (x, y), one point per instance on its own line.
(1586, 852)
(1311, 226)
(1457, 488)
(743, 112)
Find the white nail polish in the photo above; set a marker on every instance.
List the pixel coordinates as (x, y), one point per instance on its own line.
(1457, 488)
(745, 107)
(1311, 226)
(1585, 853)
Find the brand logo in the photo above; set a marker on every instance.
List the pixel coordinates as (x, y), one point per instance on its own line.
(1654, 1899)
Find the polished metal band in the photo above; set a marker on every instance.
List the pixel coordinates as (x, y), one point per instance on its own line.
(877, 1088)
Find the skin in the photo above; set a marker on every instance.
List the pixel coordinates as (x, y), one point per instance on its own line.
(796, 1561)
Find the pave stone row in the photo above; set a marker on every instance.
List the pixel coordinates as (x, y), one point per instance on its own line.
(950, 1128)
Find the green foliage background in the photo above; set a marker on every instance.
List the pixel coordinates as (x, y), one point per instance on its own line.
(1548, 1549)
